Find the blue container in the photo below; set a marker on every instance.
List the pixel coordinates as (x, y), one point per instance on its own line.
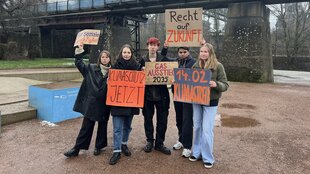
(54, 102)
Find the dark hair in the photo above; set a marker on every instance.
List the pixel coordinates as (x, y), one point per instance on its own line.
(184, 48)
(100, 55)
(153, 40)
(121, 50)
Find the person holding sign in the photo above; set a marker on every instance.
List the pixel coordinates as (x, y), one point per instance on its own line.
(203, 115)
(91, 102)
(183, 111)
(122, 116)
(158, 96)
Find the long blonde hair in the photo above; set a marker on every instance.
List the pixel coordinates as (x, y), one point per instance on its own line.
(211, 62)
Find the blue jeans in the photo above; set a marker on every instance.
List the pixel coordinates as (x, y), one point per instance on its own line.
(121, 131)
(203, 120)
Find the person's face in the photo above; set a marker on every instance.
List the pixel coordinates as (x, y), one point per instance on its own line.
(126, 53)
(183, 53)
(204, 53)
(152, 48)
(104, 59)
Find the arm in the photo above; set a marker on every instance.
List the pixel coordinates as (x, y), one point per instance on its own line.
(80, 53)
(221, 80)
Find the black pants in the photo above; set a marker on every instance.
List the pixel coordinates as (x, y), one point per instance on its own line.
(184, 119)
(86, 132)
(161, 124)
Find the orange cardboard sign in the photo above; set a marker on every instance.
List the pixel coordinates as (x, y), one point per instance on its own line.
(90, 37)
(184, 27)
(126, 88)
(159, 73)
(192, 85)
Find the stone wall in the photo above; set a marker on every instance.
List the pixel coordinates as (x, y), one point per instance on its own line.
(294, 64)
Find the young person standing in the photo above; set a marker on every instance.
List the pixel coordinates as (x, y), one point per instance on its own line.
(91, 102)
(122, 116)
(203, 115)
(156, 96)
(183, 111)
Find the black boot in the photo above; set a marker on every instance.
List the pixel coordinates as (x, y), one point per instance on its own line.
(97, 151)
(115, 157)
(148, 148)
(72, 152)
(125, 150)
(163, 149)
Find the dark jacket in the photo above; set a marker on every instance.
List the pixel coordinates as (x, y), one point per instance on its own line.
(91, 98)
(219, 76)
(125, 65)
(157, 92)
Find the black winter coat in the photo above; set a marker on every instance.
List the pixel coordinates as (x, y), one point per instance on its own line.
(157, 92)
(125, 65)
(91, 99)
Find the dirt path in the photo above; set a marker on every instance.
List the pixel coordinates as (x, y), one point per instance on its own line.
(277, 141)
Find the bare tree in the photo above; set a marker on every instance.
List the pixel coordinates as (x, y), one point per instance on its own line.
(293, 26)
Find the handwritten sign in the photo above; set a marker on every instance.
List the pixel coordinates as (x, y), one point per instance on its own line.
(192, 85)
(159, 73)
(126, 88)
(184, 27)
(90, 37)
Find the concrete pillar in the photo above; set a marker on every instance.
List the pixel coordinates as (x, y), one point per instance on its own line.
(34, 50)
(46, 42)
(247, 44)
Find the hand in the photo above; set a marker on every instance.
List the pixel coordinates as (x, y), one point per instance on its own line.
(202, 42)
(79, 49)
(212, 84)
(80, 46)
(166, 45)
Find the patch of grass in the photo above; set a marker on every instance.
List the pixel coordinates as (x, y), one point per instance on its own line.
(37, 63)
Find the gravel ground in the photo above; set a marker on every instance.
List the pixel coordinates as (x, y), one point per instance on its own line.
(265, 129)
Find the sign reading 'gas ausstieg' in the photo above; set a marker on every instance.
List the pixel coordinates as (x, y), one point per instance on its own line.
(184, 27)
(159, 73)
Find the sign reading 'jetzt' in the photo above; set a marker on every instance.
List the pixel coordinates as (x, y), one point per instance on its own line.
(126, 88)
(184, 27)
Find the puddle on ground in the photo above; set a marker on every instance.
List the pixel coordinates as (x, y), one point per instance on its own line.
(238, 106)
(238, 122)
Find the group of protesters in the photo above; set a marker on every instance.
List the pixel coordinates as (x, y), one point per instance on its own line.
(195, 122)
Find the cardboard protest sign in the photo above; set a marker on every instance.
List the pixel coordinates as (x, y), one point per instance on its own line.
(126, 88)
(89, 37)
(192, 85)
(159, 73)
(184, 27)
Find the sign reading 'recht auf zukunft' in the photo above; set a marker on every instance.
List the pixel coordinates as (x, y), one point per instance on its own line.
(184, 27)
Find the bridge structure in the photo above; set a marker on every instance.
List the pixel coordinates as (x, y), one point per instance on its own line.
(246, 49)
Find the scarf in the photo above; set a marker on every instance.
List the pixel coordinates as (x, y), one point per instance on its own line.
(104, 69)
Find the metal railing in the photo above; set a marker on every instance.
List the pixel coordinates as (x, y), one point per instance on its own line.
(76, 5)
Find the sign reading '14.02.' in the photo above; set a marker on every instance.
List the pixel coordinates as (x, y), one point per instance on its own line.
(184, 27)
(192, 85)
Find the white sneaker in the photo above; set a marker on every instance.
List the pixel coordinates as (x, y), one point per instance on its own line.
(186, 153)
(178, 145)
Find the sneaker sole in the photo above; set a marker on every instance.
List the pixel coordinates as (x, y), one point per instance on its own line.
(194, 160)
(208, 167)
(185, 156)
(177, 148)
